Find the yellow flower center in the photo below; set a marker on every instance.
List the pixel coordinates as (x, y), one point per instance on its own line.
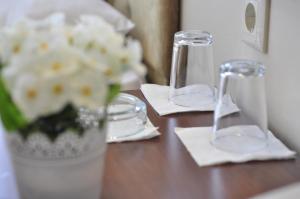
(44, 46)
(86, 91)
(16, 49)
(108, 72)
(31, 93)
(56, 66)
(71, 40)
(103, 50)
(57, 89)
(90, 45)
(124, 60)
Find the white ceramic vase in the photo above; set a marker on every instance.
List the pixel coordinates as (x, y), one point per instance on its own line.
(69, 168)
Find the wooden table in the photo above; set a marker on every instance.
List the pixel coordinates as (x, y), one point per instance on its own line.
(162, 167)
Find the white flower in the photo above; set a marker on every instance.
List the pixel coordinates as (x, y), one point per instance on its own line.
(12, 42)
(89, 89)
(98, 37)
(53, 63)
(58, 93)
(43, 42)
(135, 56)
(39, 97)
(58, 62)
(29, 96)
(16, 68)
(49, 64)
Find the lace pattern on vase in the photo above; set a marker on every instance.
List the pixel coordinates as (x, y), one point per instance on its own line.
(67, 145)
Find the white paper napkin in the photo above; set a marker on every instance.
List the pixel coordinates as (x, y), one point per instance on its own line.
(197, 142)
(149, 132)
(158, 95)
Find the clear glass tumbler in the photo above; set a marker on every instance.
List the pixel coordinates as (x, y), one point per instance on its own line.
(245, 131)
(192, 75)
(127, 115)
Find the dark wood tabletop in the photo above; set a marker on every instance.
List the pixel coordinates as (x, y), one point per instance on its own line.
(162, 167)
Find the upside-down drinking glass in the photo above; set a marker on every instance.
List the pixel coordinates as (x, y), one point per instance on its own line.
(245, 131)
(192, 74)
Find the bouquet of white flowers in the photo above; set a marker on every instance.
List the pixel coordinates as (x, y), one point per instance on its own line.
(49, 69)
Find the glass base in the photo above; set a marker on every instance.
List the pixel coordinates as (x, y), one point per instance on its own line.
(196, 95)
(239, 144)
(240, 139)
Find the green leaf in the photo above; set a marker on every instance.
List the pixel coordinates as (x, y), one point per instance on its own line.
(113, 91)
(11, 116)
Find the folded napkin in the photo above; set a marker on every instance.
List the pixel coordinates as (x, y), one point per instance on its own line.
(158, 95)
(147, 133)
(197, 142)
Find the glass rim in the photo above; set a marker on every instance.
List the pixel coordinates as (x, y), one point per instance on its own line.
(243, 67)
(193, 37)
(134, 107)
